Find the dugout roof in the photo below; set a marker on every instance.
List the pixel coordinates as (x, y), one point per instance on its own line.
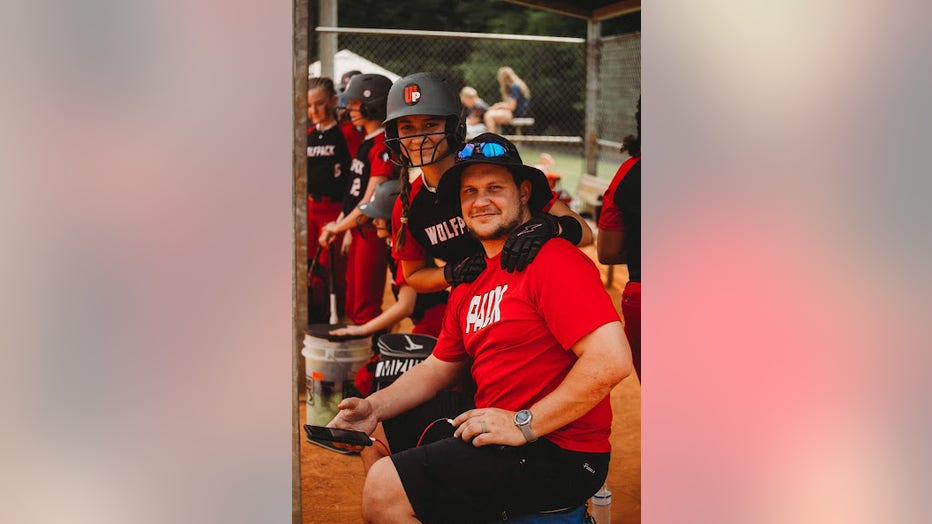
(595, 10)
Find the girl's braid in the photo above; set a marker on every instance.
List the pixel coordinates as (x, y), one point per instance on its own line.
(405, 197)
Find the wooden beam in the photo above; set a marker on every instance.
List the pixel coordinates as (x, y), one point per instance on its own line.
(610, 10)
(563, 8)
(616, 9)
(300, 49)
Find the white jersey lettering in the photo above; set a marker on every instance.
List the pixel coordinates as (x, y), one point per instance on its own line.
(485, 309)
(431, 234)
(318, 151)
(357, 166)
(354, 189)
(447, 230)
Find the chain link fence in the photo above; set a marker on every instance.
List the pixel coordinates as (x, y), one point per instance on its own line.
(553, 68)
(620, 89)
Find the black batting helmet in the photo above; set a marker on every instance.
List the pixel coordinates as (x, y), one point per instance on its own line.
(371, 90)
(424, 94)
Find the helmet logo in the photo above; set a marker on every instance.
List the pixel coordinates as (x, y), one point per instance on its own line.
(412, 94)
(367, 93)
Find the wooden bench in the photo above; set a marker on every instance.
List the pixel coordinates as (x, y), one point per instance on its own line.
(589, 194)
(520, 122)
(589, 197)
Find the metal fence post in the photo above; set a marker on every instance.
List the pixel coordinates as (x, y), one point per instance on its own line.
(327, 42)
(593, 44)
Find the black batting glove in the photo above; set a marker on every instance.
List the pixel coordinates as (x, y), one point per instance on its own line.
(524, 243)
(464, 271)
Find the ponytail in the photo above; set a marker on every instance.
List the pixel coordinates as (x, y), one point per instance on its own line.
(405, 197)
(632, 145)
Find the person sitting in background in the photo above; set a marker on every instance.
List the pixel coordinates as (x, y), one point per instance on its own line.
(516, 100)
(476, 110)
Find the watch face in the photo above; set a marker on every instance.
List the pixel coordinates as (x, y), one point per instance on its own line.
(522, 416)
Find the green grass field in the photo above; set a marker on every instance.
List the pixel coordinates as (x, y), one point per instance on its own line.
(570, 164)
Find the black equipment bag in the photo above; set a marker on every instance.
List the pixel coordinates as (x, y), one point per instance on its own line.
(399, 352)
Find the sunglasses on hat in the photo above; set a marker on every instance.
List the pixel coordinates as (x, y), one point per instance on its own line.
(481, 149)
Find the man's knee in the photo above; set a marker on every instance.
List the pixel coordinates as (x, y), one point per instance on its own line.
(383, 495)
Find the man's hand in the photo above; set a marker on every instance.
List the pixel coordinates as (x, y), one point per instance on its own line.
(524, 243)
(356, 414)
(488, 426)
(466, 270)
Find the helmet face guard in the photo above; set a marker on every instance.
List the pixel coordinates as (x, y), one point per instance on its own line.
(424, 94)
(418, 159)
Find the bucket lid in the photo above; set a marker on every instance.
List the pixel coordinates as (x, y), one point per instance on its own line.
(406, 345)
(323, 331)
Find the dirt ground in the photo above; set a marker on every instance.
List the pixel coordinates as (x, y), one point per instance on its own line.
(331, 483)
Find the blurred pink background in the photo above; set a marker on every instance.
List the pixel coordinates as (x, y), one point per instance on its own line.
(147, 264)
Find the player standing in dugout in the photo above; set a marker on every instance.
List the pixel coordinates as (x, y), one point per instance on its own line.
(328, 161)
(367, 257)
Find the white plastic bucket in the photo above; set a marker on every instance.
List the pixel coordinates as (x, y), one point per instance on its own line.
(330, 367)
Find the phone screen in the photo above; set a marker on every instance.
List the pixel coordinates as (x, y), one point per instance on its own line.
(345, 436)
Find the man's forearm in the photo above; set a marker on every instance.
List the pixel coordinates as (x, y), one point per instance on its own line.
(603, 365)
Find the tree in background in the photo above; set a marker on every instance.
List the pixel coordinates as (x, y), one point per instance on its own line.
(557, 83)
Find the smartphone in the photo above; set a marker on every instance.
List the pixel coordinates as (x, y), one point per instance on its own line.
(345, 436)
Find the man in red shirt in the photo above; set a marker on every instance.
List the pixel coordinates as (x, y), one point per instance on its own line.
(545, 353)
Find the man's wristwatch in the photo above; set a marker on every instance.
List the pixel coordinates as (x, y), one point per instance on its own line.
(523, 421)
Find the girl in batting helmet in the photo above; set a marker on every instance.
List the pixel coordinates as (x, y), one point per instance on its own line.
(367, 256)
(425, 127)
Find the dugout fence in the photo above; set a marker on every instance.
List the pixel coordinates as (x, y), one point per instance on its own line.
(554, 68)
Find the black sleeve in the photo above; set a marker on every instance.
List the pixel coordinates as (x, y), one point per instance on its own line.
(628, 192)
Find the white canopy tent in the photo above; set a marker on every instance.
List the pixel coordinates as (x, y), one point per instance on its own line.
(346, 60)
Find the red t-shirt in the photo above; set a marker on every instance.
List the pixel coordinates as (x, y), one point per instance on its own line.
(518, 329)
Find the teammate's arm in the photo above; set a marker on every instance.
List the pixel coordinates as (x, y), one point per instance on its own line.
(349, 221)
(402, 308)
(609, 247)
(326, 233)
(559, 209)
(423, 278)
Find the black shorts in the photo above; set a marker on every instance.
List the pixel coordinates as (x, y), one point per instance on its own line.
(451, 481)
(404, 430)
